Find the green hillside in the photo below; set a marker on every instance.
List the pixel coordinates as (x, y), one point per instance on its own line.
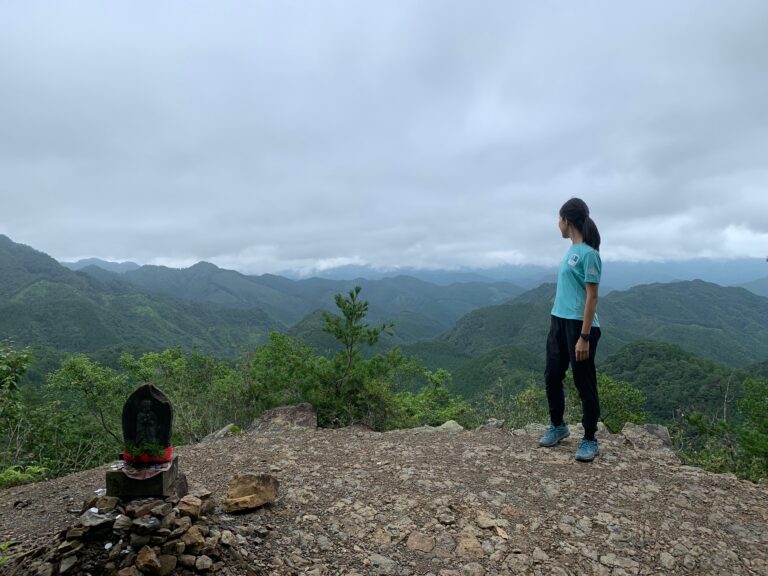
(523, 326)
(291, 300)
(435, 354)
(675, 380)
(45, 305)
(729, 325)
(759, 286)
(514, 367)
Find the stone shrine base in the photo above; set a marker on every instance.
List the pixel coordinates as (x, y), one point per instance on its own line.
(165, 483)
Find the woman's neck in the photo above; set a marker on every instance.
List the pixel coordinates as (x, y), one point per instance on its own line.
(575, 236)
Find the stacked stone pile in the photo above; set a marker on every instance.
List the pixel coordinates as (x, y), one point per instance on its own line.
(149, 536)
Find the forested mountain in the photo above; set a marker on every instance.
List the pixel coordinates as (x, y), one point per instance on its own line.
(729, 325)
(674, 379)
(44, 304)
(759, 286)
(291, 300)
(116, 267)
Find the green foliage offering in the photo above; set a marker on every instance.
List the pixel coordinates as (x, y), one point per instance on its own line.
(149, 448)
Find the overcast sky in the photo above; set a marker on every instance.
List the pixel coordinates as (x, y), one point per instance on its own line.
(266, 136)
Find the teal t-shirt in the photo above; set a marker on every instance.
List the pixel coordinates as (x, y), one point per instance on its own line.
(581, 265)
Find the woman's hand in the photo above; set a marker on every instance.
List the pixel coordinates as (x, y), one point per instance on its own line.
(582, 350)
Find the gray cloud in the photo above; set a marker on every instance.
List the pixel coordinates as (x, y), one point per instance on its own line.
(266, 136)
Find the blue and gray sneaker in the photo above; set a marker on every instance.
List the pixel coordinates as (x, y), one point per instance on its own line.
(554, 435)
(587, 450)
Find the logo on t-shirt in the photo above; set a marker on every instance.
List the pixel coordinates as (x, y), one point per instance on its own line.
(573, 260)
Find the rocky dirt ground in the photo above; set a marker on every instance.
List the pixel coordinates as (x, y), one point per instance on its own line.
(452, 503)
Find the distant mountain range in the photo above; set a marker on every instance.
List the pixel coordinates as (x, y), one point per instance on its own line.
(116, 267)
(750, 273)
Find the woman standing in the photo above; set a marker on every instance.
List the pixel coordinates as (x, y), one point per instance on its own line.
(574, 329)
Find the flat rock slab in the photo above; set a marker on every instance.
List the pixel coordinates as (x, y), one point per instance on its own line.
(250, 491)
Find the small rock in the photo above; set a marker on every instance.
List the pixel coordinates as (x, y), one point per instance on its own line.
(382, 564)
(667, 560)
(472, 569)
(467, 546)
(129, 571)
(145, 525)
(95, 521)
(447, 518)
(485, 520)
(106, 504)
(249, 491)
(539, 555)
(324, 543)
(139, 540)
(122, 524)
(140, 508)
(174, 547)
(228, 539)
(76, 533)
(420, 542)
(451, 426)
(147, 561)
(187, 560)
(219, 434)
(203, 563)
(45, 569)
(491, 424)
(611, 559)
(190, 506)
(193, 539)
(167, 564)
(162, 510)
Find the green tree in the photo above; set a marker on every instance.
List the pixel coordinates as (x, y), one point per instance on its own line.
(434, 405)
(345, 380)
(100, 390)
(13, 365)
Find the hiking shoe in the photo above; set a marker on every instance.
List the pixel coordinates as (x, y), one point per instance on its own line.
(554, 435)
(587, 450)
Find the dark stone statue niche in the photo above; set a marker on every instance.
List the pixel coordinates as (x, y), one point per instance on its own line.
(147, 466)
(148, 422)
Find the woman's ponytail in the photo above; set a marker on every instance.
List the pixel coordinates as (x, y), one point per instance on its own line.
(590, 233)
(577, 212)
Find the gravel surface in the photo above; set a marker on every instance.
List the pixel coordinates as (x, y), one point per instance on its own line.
(451, 503)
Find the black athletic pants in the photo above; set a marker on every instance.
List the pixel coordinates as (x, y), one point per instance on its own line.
(561, 350)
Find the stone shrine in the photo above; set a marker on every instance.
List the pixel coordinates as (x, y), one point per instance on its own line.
(147, 465)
